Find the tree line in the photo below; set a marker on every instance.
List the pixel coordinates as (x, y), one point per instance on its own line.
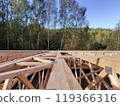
(51, 25)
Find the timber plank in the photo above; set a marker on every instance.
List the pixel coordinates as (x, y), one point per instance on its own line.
(73, 83)
(57, 78)
(5, 84)
(25, 81)
(42, 60)
(29, 63)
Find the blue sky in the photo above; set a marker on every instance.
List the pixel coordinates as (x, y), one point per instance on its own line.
(101, 13)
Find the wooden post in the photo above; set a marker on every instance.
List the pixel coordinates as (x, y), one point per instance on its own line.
(19, 84)
(25, 81)
(39, 79)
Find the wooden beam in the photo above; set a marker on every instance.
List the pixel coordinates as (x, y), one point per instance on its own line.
(7, 66)
(29, 63)
(61, 77)
(25, 81)
(19, 84)
(1, 86)
(57, 78)
(73, 83)
(48, 58)
(39, 80)
(87, 79)
(12, 83)
(81, 69)
(42, 81)
(13, 63)
(50, 54)
(99, 86)
(114, 57)
(74, 63)
(104, 83)
(5, 84)
(18, 72)
(85, 67)
(42, 60)
(93, 72)
(32, 77)
(97, 80)
(46, 78)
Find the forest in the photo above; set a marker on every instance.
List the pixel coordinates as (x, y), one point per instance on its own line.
(51, 25)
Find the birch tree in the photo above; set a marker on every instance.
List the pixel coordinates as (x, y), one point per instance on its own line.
(39, 16)
(51, 11)
(76, 17)
(63, 18)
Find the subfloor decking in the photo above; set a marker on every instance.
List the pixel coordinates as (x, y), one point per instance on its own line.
(60, 70)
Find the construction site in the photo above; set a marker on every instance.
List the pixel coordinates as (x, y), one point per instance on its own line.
(59, 70)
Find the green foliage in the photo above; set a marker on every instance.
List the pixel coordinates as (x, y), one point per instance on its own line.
(55, 40)
(31, 26)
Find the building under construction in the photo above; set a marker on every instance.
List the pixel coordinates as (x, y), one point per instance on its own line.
(60, 70)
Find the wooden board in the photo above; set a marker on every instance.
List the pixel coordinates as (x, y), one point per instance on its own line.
(25, 81)
(57, 78)
(61, 77)
(73, 83)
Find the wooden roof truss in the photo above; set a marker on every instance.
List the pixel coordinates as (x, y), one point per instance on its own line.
(60, 70)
